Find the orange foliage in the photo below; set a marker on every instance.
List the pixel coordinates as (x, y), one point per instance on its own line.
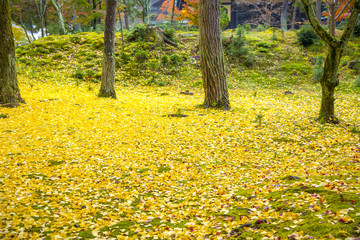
(165, 9)
(342, 9)
(190, 12)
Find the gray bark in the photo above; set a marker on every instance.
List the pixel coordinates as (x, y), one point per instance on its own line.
(107, 88)
(9, 89)
(284, 15)
(126, 17)
(318, 9)
(58, 7)
(211, 56)
(329, 80)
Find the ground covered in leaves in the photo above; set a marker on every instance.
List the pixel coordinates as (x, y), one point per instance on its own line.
(74, 166)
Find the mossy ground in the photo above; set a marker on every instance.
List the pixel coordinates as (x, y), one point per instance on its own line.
(75, 166)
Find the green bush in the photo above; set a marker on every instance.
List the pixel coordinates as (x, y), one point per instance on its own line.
(357, 82)
(164, 60)
(78, 74)
(170, 33)
(248, 27)
(306, 35)
(141, 56)
(125, 58)
(224, 19)
(138, 34)
(175, 60)
(236, 48)
(319, 68)
(356, 32)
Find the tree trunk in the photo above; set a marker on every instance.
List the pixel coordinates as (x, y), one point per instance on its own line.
(9, 89)
(211, 56)
(332, 20)
(284, 15)
(318, 10)
(122, 32)
(57, 7)
(172, 13)
(108, 70)
(293, 18)
(329, 81)
(126, 17)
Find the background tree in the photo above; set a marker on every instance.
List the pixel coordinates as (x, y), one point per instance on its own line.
(9, 89)
(41, 6)
(58, 5)
(284, 15)
(190, 12)
(145, 12)
(211, 55)
(107, 88)
(329, 80)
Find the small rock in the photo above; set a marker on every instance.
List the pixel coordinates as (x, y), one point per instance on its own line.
(290, 177)
(288, 93)
(187, 93)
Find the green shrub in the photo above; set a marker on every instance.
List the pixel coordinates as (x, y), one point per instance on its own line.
(261, 28)
(236, 48)
(164, 60)
(357, 82)
(78, 74)
(170, 33)
(224, 19)
(141, 56)
(356, 32)
(125, 58)
(319, 68)
(175, 60)
(306, 35)
(138, 34)
(248, 27)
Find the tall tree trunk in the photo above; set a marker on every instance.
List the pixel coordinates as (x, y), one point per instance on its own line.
(329, 81)
(293, 18)
(318, 10)
(126, 17)
(122, 32)
(284, 15)
(57, 7)
(332, 20)
(172, 13)
(211, 56)
(9, 89)
(42, 11)
(108, 70)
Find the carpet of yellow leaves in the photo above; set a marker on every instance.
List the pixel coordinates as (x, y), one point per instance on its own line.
(77, 166)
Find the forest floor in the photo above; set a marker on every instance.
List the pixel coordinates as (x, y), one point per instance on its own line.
(153, 164)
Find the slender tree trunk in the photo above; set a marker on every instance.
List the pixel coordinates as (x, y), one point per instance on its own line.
(126, 17)
(318, 10)
(329, 81)
(293, 18)
(332, 20)
(122, 32)
(57, 7)
(9, 89)
(172, 13)
(32, 29)
(108, 70)
(284, 15)
(211, 56)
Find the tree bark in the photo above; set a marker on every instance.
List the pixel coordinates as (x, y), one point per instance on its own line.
(211, 56)
(332, 20)
(57, 7)
(126, 17)
(9, 89)
(172, 13)
(318, 10)
(329, 80)
(293, 18)
(107, 88)
(284, 15)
